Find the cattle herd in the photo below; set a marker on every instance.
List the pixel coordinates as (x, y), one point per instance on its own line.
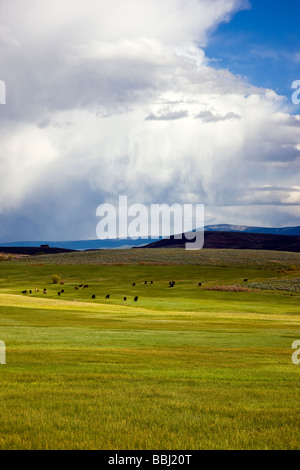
(85, 286)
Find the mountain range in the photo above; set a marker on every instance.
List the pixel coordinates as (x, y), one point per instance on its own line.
(295, 231)
(237, 241)
(216, 236)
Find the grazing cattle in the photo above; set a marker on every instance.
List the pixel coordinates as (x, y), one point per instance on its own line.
(245, 280)
(62, 291)
(151, 282)
(136, 299)
(24, 291)
(76, 288)
(45, 291)
(145, 282)
(36, 290)
(200, 284)
(172, 284)
(30, 292)
(133, 284)
(85, 287)
(58, 293)
(81, 285)
(125, 298)
(93, 296)
(107, 297)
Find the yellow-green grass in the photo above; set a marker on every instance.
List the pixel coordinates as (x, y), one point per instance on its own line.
(182, 368)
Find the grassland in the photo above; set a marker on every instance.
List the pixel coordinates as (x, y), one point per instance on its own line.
(183, 368)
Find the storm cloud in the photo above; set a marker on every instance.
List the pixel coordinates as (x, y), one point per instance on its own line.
(118, 98)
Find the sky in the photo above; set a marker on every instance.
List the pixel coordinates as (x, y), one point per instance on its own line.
(261, 43)
(164, 101)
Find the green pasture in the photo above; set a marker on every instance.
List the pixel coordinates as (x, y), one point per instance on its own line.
(182, 368)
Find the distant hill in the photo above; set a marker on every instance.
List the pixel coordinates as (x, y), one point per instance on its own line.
(216, 236)
(294, 231)
(30, 250)
(80, 245)
(237, 241)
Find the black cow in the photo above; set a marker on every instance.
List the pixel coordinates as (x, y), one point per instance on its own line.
(125, 298)
(145, 282)
(136, 299)
(151, 282)
(76, 288)
(93, 297)
(107, 297)
(58, 293)
(30, 292)
(24, 291)
(133, 284)
(85, 287)
(200, 284)
(62, 291)
(245, 280)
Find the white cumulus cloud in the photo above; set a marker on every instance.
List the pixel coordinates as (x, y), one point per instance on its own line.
(109, 98)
